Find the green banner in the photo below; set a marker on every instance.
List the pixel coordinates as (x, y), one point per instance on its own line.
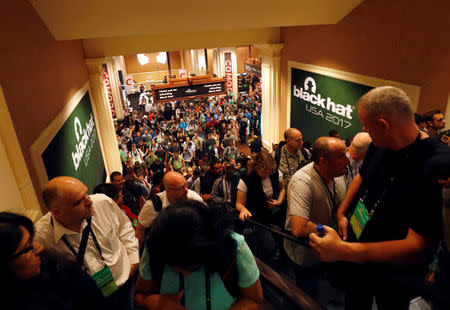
(75, 150)
(321, 103)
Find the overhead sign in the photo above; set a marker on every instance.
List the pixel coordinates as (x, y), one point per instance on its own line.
(228, 72)
(189, 91)
(321, 103)
(253, 69)
(75, 150)
(129, 84)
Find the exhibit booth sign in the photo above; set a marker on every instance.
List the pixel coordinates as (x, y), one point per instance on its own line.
(192, 87)
(70, 146)
(322, 99)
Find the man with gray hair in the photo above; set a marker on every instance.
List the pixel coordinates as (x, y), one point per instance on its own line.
(393, 207)
(356, 153)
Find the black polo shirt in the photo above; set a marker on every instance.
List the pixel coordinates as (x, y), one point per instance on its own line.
(402, 192)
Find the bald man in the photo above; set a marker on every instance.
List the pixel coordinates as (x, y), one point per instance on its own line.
(293, 155)
(313, 195)
(393, 206)
(95, 223)
(175, 190)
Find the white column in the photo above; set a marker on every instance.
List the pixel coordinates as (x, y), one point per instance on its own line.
(271, 93)
(102, 114)
(17, 190)
(194, 61)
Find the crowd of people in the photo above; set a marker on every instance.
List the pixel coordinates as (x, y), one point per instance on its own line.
(158, 235)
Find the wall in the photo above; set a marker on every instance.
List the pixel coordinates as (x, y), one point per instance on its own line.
(242, 53)
(133, 66)
(38, 74)
(402, 40)
(175, 60)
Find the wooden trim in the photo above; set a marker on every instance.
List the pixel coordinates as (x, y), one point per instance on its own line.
(413, 91)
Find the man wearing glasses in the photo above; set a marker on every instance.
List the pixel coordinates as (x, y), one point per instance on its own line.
(175, 190)
(293, 155)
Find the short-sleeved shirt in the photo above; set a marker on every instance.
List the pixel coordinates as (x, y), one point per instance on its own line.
(406, 196)
(148, 212)
(194, 284)
(289, 163)
(309, 198)
(266, 184)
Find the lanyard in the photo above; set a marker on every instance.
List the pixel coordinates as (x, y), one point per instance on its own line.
(84, 239)
(332, 197)
(386, 188)
(207, 289)
(287, 161)
(225, 188)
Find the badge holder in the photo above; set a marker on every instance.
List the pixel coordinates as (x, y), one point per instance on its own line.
(105, 281)
(359, 219)
(103, 278)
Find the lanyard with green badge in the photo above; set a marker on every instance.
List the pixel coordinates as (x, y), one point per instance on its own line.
(361, 215)
(104, 277)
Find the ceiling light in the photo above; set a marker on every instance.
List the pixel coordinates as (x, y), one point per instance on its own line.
(162, 57)
(142, 59)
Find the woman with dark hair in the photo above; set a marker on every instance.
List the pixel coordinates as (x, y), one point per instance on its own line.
(193, 261)
(30, 283)
(264, 184)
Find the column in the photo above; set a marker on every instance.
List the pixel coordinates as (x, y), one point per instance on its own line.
(271, 93)
(103, 117)
(17, 190)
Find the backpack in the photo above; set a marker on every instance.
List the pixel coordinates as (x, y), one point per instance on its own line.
(157, 202)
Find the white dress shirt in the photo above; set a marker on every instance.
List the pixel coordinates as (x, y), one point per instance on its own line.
(114, 233)
(148, 212)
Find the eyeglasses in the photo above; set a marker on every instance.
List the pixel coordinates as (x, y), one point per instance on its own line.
(23, 251)
(297, 140)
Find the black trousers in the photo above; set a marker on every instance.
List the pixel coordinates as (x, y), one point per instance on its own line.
(123, 299)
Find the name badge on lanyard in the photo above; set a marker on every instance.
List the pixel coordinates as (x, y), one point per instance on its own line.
(359, 219)
(105, 281)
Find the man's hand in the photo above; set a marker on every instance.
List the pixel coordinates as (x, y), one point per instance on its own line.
(245, 214)
(342, 225)
(328, 248)
(133, 269)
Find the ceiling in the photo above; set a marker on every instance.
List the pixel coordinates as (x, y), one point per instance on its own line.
(88, 19)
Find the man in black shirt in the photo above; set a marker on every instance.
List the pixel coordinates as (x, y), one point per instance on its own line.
(204, 184)
(393, 207)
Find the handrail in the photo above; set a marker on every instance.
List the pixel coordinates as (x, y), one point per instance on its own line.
(292, 292)
(278, 230)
